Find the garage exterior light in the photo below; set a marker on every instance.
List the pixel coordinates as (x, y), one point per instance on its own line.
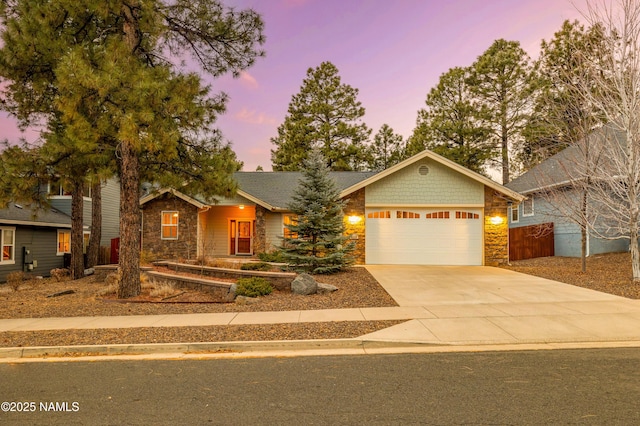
(496, 220)
(353, 219)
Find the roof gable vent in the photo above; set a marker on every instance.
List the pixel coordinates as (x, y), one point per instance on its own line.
(423, 170)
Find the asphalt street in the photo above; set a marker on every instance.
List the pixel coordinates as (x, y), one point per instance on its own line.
(599, 386)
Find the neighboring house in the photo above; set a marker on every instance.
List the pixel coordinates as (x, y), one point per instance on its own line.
(425, 210)
(551, 198)
(33, 242)
(60, 199)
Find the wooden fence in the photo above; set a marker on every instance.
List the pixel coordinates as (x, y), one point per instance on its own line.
(532, 241)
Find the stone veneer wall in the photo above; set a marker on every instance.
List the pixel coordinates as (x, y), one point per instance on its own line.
(186, 246)
(260, 239)
(355, 207)
(496, 237)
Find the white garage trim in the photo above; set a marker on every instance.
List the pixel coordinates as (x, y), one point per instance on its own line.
(431, 235)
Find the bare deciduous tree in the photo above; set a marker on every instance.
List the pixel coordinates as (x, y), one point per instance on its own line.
(612, 88)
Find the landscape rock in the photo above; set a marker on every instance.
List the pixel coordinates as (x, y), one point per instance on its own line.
(244, 300)
(304, 284)
(326, 288)
(231, 295)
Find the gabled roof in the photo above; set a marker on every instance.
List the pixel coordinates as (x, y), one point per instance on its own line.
(439, 159)
(178, 194)
(274, 190)
(554, 171)
(17, 214)
(569, 165)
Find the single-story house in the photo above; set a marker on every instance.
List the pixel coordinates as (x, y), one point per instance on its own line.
(552, 197)
(425, 210)
(32, 241)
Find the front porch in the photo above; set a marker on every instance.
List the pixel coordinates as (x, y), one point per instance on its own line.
(228, 231)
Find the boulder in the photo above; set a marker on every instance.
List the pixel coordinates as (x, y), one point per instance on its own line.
(231, 294)
(244, 300)
(304, 284)
(326, 288)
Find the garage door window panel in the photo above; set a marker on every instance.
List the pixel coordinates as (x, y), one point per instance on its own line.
(400, 214)
(385, 214)
(438, 215)
(467, 215)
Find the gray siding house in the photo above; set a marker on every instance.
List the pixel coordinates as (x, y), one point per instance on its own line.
(32, 241)
(61, 201)
(551, 198)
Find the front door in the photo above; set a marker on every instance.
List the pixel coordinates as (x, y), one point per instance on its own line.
(241, 237)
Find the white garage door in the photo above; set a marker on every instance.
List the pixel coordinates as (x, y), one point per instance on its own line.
(421, 236)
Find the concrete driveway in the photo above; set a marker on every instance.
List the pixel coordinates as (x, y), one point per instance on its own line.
(485, 305)
(413, 285)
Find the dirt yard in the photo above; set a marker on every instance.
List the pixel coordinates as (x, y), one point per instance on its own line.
(608, 273)
(357, 288)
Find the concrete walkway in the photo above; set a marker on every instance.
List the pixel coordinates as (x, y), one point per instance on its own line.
(443, 306)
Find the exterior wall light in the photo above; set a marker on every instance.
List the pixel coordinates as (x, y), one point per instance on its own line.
(241, 206)
(354, 219)
(496, 220)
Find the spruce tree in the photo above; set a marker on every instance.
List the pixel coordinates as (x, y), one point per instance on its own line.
(317, 243)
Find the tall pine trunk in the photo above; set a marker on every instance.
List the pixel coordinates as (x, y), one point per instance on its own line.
(77, 232)
(130, 221)
(96, 225)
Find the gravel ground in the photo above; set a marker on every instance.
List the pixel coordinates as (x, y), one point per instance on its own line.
(608, 273)
(357, 289)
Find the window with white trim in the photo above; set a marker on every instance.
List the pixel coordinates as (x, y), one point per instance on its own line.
(527, 207)
(8, 244)
(64, 242)
(515, 213)
(170, 225)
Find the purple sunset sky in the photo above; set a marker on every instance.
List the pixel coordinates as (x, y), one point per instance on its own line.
(392, 51)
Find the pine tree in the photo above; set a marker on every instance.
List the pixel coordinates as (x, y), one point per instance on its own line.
(503, 82)
(317, 243)
(108, 74)
(386, 150)
(453, 124)
(325, 114)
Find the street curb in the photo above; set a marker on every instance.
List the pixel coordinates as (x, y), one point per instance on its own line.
(199, 347)
(279, 348)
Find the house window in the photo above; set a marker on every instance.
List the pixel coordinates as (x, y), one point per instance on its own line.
(527, 207)
(8, 244)
(56, 189)
(170, 225)
(64, 242)
(386, 214)
(289, 219)
(515, 214)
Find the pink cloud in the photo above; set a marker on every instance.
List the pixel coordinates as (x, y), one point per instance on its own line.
(252, 117)
(248, 80)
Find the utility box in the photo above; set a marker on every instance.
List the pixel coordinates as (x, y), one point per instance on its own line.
(27, 258)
